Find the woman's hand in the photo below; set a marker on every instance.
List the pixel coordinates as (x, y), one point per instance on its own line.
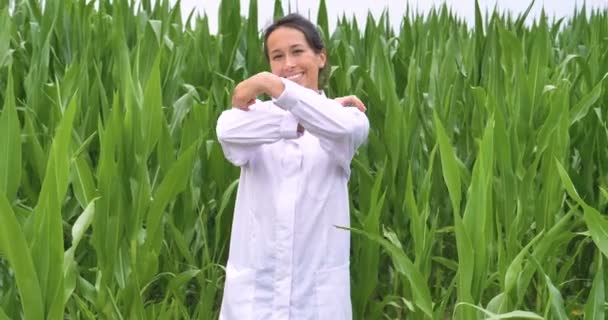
(351, 101)
(245, 92)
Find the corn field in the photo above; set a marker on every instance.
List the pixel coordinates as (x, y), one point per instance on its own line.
(482, 192)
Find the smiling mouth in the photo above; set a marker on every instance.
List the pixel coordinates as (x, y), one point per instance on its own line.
(295, 77)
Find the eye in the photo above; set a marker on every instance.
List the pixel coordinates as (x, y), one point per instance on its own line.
(298, 51)
(276, 57)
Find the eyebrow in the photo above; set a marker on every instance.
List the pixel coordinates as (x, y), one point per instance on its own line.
(290, 47)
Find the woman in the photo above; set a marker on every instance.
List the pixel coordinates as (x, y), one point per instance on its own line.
(287, 259)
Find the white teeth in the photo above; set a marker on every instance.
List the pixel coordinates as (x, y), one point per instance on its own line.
(295, 76)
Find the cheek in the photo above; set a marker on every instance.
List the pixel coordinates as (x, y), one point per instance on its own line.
(275, 67)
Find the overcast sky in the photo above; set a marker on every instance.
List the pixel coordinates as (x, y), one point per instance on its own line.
(360, 8)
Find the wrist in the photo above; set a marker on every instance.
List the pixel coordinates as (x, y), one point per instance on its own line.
(272, 85)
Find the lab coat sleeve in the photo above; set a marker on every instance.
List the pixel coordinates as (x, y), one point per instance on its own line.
(241, 132)
(340, 130)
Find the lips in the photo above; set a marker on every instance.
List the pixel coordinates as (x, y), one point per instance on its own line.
(295, 77)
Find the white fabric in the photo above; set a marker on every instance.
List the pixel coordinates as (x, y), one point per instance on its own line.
(287, 259)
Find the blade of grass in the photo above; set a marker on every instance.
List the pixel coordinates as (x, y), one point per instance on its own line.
(14, 245)
(10, 144)
(70, 272)
(594, 308)
(598, 226)
(517, 314)
(422, 296)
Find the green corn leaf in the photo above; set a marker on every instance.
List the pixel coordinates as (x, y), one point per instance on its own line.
(604, 193)
(174, 183)
(152, 112)
(322, 20)
(594, 308)
(70, 272)
(422, 296)
(47, 244)
(581, 109)
(181, 279)
(517, 314)
(479, 43)
(369, 252)
(522, 18)
(556, 300)
(515, 267)
(14, 245)
(451, 172)
(3, 315)
(226, 197)
(253, 39)
(5, 36)
(82, 181)
(568, 183)
(278, 9)
(598, 226)
(466, 265)
(181, 243)
(10, 144)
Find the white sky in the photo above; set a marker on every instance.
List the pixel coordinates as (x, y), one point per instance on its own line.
(360, 8)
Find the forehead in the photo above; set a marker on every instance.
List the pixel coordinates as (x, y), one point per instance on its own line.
(284, 37)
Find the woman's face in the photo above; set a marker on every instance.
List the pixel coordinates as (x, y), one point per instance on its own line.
(292, 58)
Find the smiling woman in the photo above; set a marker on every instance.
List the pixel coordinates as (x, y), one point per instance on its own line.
(292, 58)
(287, 259)
(297, 51)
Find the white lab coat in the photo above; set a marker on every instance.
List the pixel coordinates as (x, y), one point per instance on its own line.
(287, 259)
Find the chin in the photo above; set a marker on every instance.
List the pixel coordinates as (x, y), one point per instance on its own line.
(304, 83)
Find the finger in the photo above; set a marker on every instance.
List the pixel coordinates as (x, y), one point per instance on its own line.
(355, 101)
(340, 101)
(239, 104)
(345, 101)
(352, 101)
(359, 104)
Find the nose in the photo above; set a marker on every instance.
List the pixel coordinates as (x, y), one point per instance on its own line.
(290, 61)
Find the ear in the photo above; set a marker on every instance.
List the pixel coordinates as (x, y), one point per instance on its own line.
(322, 58)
